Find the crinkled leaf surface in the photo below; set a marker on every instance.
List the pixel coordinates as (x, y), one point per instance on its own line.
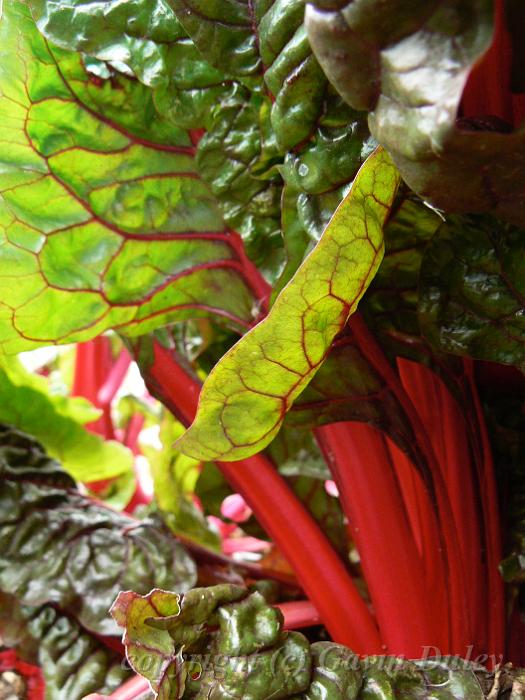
(27, 403)
(135, 34)
(226, 643)
(390, 307)
(221, 642)
(74, 663)
(245, 398)
(472, 290)
(408, 64)
(95, 216)
(58, 546)
(142, 37)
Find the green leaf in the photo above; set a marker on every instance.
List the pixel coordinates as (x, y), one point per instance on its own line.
(135, 34)
(245, 398)
(174, 478)
(58, 546)
(227, 157)
(220, 642)
(391, 304)
(95, 215)
(472, 291)
(408, 66)
(144, 37)
(301, 463)
(226, 643)
(74, 663)
(56, 421)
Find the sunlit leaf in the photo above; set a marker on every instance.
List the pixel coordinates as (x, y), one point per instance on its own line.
(97, 216)
(246, 396)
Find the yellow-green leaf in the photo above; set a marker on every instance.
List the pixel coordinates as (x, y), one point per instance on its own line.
(246, 396)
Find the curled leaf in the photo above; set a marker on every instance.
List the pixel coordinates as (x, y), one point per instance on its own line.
(227, 643)
(245, 398)
(407, 64)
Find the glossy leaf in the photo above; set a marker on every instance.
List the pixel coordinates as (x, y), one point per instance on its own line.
(58, 546)
(220, 642)
(227, 157)
(94, 214)
(57, 421)
(245, 398)
(142, 37)
(134, 34)
(472, 290)
(73, 662)
(226, 643)
(408, 66)
(391, 305)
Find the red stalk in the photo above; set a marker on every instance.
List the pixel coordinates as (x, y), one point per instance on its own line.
(453, 565)
(426, 528)
(495, 611)
(298, 614)
(92, 366)
(445, 425)
(369, 491)
(318, 568)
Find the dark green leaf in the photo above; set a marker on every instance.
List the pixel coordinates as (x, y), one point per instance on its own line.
(407, 64)
(226, 643)
(472, 290)
(57, 546)
(74, 663)
(220, 642)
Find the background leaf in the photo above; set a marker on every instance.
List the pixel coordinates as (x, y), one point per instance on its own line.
(408, 67)
(58, 546)
(73, 662)
(27, 403)
(472, 299)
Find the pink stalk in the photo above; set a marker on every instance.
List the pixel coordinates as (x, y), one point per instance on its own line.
(453, 565)
(445, 425)
(114, 379)
(92, 366)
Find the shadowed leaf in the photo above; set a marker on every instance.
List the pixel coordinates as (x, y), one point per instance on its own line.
(407, 63)
(58, 546)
